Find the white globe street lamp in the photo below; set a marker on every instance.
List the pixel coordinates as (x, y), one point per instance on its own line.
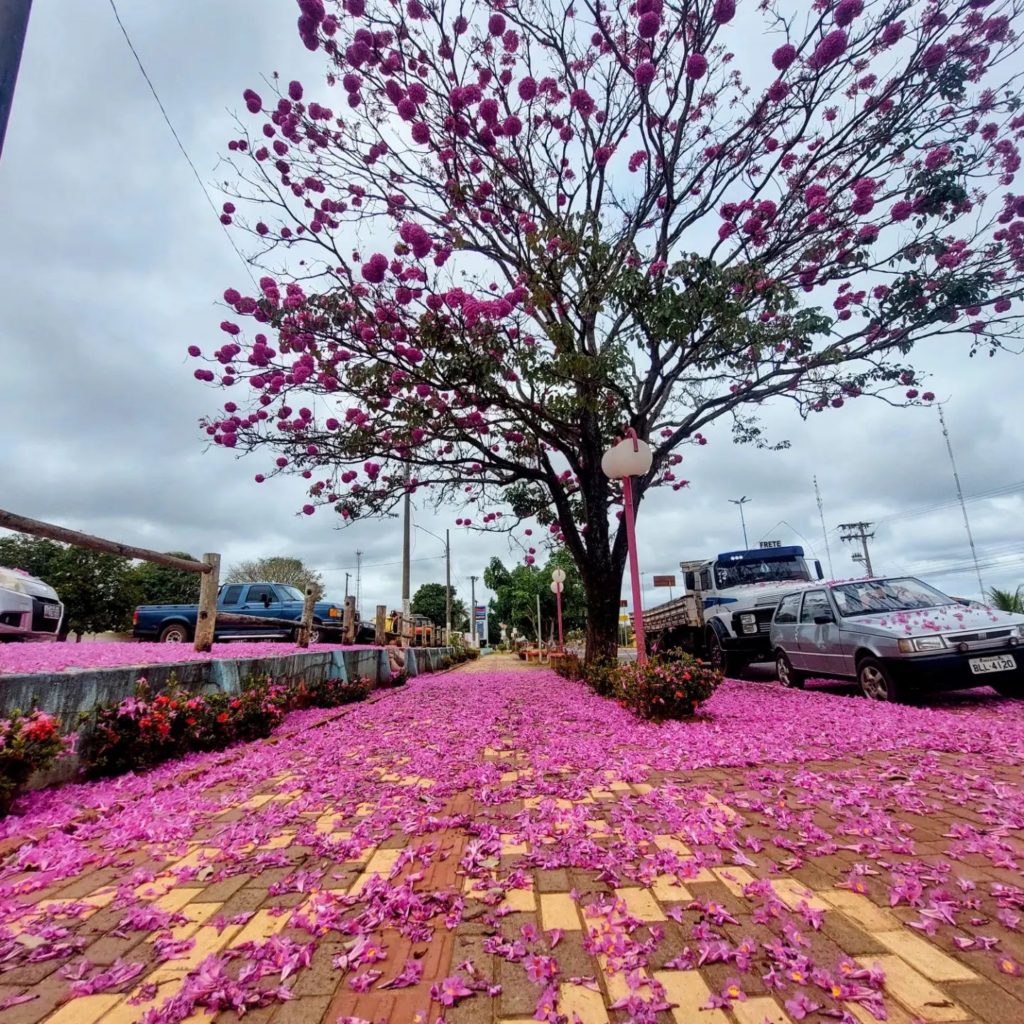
(631, 457)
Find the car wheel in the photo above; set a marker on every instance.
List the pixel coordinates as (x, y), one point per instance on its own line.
(175, 633)
(877, 683)
(1011, 688)
(788, 675)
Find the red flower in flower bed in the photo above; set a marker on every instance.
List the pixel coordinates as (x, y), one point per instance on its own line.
(28, 743)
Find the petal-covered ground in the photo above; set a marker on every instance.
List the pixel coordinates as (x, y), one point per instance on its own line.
(502, 845)
(56, 657)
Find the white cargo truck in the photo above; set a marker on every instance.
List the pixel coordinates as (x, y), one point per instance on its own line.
(725, 614)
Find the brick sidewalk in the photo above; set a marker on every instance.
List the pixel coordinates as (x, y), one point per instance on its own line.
(733, 881)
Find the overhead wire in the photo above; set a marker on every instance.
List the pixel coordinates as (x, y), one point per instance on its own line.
(177, 139)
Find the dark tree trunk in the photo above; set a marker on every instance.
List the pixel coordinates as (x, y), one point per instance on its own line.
(602, 586)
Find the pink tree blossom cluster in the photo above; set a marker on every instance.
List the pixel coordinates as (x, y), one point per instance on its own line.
(498, 237)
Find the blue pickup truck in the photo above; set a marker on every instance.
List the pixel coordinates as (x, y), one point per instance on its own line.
(176, 623)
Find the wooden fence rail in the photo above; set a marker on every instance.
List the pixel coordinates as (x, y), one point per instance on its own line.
(208, 568)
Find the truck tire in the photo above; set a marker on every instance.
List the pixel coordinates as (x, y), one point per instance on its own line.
(1013, 688)
(175, 633)
(788, 675)
(317, 634)
(728, 663)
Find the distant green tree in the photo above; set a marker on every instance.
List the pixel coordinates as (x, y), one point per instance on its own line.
(429, 600)
(276, 569)
(516, 592)
(99, 591)
(159, 584)
(1008, 600)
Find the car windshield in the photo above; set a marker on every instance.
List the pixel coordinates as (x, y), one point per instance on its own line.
(765, 570)
(291, 593)
(872, 597)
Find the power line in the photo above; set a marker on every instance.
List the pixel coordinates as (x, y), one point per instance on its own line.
(177, 139)
(375, 565)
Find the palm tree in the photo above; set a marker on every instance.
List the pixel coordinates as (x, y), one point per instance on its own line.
(1006, 600)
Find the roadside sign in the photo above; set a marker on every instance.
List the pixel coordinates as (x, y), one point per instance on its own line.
(623, 604)
(665, 581)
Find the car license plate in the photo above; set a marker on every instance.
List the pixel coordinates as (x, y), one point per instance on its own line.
(997, 663)
(51, 611)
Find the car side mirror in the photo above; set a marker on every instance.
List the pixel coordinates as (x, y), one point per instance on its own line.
(824, 620)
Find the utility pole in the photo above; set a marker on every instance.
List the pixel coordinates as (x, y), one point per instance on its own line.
(741, 502)
(13, 25)
(448, 586)
(347, 576)
(406, 552)
(859, 531)
(540, 639)
(359, 578)
(963, 504)
(472, 610)
(824, 532)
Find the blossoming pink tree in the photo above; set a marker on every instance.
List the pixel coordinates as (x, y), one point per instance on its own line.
(497, 234)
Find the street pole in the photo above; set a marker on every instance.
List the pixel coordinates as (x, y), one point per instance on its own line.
(634, 573)
(859, 531)
(406, 557)
(13, 26)
(472, 610)
(741, 502)
(448, 586)
(347, 576)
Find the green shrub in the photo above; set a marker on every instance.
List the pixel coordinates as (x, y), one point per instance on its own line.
(28, 743)
(666, 686)
(600, 676)
(332, 693)
(472, 653)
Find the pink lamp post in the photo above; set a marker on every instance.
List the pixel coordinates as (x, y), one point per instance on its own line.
(631, 457)
(557, 581)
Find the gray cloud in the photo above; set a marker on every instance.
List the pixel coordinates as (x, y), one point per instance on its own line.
(111, 263)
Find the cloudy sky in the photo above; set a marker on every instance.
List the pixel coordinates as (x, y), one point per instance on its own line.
(112, 262)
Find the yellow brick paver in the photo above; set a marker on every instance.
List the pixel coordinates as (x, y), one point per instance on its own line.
(675, 845)
(587, 1004)
(641, 904)
(926, 958)
(520, 901)
(689, 991)
(208, 940)
(558, 910)
(261, 926)
(915, 991)
(733, 878)
(126, 1013)
(85, 1010)
(858, 907)
(760, 1009)
(793, 893)
(667, 889)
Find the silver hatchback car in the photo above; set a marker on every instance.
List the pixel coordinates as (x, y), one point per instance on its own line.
(896, 637)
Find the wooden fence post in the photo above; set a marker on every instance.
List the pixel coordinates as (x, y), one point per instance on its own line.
(382, 613)
(307, 617)
(349, 621)
(206, 622)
